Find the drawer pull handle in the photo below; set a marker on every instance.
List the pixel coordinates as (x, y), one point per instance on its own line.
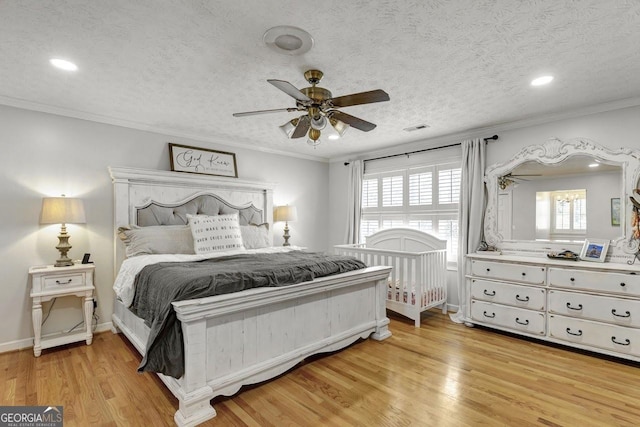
(64, 283)
(490, 316)
(623, 284)
(525, 299)
(573, 279)
(579, 307)
(626, 313)
(526, 322)
(577, 334)
(490, 294)
(626, 341)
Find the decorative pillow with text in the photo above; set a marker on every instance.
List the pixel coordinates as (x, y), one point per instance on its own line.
(215, 233)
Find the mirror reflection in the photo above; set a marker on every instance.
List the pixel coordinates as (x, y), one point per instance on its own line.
(570, 201)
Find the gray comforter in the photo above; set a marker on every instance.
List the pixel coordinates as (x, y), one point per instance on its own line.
(157, 285)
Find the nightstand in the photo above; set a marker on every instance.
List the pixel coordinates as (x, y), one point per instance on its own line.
(49, 282)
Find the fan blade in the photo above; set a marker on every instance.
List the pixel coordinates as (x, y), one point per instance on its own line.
(352, 121)
(372, 96)
(253, 113)
(303, 126)
(290, 90)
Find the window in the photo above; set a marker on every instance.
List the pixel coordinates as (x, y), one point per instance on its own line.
(392, 190)
(421, 197)
(561, 214)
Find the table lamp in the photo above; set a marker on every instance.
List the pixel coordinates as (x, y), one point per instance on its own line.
(285, 213)
(62, 210)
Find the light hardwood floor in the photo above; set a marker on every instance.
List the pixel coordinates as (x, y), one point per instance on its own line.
(442, 374)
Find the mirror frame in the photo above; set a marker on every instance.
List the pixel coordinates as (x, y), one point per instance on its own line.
(554, 152)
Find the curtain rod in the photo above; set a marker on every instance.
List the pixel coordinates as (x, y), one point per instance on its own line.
(490, 138)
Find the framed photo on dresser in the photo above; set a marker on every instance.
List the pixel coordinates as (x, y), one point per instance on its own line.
(594, 250)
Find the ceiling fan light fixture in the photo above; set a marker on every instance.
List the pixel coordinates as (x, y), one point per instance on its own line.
(288, 40)
(289, 127)
(339, 126)
(318, 122)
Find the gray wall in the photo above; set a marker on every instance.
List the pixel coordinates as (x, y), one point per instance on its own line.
(49, 155)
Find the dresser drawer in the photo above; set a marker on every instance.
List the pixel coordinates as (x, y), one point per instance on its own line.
(510, 272)
(607, 309)
(517, 319)
(619, 339)
(504, 293)
(600, 281)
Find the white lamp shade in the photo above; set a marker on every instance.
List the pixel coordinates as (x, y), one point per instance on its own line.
(285, 213)
(62, 210)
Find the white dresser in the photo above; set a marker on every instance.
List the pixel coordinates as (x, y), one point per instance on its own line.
(592, 306)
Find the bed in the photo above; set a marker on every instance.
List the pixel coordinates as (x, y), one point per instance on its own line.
(250, 336)
(419, 260)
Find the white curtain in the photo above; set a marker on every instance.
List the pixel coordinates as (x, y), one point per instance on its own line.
(354, 187)
(471, 213)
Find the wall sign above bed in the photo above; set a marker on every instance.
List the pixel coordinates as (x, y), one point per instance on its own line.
(202, 160)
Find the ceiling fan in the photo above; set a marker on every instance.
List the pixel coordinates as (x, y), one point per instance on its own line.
(320, 107)
(508, 179)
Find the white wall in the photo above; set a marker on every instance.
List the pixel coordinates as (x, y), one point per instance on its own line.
(613, 129)
(49, 155)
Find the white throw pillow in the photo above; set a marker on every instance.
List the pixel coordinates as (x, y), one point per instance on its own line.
(215, 233)
(161, 239)
(255, 236)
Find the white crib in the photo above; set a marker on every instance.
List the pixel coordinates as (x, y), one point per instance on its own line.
(419, 260)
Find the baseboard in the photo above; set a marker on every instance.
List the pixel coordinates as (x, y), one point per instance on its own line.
(28, 342)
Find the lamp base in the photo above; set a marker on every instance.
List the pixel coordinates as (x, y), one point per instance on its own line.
(63, 262)
(63, 247)
(286, 235)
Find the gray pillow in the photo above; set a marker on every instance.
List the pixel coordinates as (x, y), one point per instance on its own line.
(255, 236)
(161, 239)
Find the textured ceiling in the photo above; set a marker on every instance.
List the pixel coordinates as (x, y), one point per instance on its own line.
(183, 67)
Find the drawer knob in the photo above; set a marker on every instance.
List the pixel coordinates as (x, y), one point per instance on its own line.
(489, 294)
(66, 282)
(626, 341)
(623, 284)
(518, 321)
(488, 269)
(524, 274)
(579, 307)
(626, 313)
(577, 334)
(572, 279)
(492, 315)
(525, 299)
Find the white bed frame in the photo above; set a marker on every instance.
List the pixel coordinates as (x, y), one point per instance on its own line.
(251, 336)
(418, 281)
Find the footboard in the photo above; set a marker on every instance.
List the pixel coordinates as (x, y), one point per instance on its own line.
(244, 338)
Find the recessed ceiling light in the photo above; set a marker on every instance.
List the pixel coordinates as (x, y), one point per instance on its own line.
(63, 64)
(288, 40)
(333, 137)
(540, 81)
(594, 165)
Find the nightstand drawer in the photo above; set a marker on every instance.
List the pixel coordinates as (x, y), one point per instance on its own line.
(63, 281)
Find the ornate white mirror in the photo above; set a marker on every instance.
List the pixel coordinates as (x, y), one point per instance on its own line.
(554, 196)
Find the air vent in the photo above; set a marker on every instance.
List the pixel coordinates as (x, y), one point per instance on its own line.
(414, 128)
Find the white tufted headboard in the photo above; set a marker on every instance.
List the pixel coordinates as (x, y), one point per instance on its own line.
(149, 197)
